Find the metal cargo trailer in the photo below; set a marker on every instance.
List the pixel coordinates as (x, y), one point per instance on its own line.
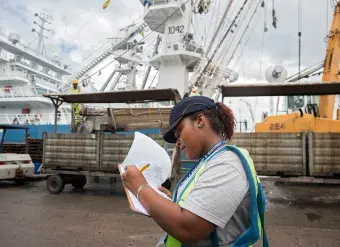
(324, 154)
(71, 157)
(71, 152)
(281, 154)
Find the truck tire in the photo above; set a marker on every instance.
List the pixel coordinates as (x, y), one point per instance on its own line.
(55, 184)
(79, 182)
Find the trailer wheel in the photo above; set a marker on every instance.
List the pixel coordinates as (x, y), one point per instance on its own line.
(79, 182)
(55, 184)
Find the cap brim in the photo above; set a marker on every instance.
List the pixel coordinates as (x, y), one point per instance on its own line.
(169, 135)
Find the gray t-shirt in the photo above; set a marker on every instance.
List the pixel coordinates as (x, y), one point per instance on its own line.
(221, 197)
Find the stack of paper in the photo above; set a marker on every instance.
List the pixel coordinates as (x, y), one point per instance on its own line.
(143, 151)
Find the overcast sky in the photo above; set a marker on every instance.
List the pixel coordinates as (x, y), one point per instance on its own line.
(79, 27)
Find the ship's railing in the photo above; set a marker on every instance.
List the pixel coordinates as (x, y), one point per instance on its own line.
(8, 92)
(32, 75)
(39, 118)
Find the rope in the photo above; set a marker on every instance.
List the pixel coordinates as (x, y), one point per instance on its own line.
(29, 44)
(299, 36)
(262, 49)
(251, 30)
(153, 79)
(218, 12)
(274, 16)
(220, 43)
(262, 45)
(212, 16)
(265, 15)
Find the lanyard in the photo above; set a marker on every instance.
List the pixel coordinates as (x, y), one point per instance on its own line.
(201, 160)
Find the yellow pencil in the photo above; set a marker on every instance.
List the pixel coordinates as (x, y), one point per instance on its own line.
(144, 167)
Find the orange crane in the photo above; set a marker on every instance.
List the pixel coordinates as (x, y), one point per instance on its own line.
(331, 66)
(320, 118)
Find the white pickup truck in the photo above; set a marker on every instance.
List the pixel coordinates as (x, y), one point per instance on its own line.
(13, 166)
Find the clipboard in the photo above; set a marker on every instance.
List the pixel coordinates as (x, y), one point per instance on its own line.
(131, 197)
(134, 203)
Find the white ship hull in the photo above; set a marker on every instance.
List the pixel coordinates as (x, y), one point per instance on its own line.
(25, 75)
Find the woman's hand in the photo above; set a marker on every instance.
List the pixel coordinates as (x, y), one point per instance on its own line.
(165, 191)
(133, 178)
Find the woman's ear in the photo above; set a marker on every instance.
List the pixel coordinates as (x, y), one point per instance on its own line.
(200, 121)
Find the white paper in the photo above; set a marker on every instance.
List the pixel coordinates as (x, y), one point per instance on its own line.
(138, 206)
(143, 151)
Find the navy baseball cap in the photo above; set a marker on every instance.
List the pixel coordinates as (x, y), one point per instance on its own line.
(184, 108)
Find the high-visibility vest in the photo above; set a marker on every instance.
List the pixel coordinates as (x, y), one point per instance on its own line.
(75, 90)
(76, 106)
(257, 202)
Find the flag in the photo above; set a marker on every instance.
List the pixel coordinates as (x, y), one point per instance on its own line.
(107, 2)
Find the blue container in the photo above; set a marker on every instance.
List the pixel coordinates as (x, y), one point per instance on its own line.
(36, 167)
(144, 131)
(35, 132)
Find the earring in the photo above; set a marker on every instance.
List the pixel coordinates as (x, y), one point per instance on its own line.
(200, 125)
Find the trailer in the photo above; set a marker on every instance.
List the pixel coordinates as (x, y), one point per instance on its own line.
(71, 158)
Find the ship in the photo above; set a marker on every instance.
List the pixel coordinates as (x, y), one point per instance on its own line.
(25, 75)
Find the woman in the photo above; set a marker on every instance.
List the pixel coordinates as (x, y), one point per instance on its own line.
(220, 201)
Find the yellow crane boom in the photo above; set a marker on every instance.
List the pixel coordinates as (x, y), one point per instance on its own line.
(331, 66)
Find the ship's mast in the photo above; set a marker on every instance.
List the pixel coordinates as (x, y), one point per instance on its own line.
(43, 18)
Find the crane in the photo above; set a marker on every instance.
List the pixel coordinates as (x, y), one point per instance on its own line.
(319, 117)
(107, 50)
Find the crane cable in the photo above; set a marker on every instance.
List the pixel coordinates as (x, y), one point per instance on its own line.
(299, 35)
(248, 38)
(274, 15)
(220, 43)
(265, 29)
(264, 5)
(211, 20)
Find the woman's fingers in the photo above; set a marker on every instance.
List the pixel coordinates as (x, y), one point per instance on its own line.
(133, 178)
(165, 191)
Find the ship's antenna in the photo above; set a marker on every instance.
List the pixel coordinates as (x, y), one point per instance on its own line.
(43, 18)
